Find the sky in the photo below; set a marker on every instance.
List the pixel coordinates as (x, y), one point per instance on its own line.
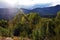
(31, 2)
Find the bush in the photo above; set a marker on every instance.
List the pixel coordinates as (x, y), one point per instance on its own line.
(4, 32)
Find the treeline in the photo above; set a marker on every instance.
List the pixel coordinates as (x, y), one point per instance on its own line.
(32, 26)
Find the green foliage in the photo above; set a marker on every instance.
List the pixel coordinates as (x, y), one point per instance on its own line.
(3, 23)
(4, 32)
(57, 23)
(34, 18)
(58, 15)
(38, 33)
(31, 25)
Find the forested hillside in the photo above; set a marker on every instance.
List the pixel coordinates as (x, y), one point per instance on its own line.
(32, 26)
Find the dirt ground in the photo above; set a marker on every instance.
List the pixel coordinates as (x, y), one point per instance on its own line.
(14, 38)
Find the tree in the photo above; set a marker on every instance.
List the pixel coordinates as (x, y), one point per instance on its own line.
(57, 23)
(25, 23)
(4, 32)
(3, 23)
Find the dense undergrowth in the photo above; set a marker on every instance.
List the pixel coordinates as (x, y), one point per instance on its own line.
(32, 26)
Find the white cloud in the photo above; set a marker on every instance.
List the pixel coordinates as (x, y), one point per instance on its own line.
(55, 2)
(11, 2)
(25, 2)
(31, 2)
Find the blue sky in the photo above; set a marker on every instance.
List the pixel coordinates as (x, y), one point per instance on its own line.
(31, 2)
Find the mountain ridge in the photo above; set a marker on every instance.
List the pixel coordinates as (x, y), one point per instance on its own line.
(8, 13)
(44, 11)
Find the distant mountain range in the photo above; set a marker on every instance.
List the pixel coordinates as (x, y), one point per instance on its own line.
(8, 13)
(44, 12)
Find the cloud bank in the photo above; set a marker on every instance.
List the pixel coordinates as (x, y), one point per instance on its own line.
(31, 2)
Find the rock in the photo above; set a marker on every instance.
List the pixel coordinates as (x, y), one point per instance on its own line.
(8, 38)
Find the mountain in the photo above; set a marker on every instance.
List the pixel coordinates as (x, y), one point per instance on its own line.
(44, 12)
(8, 13)
(34, 6)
